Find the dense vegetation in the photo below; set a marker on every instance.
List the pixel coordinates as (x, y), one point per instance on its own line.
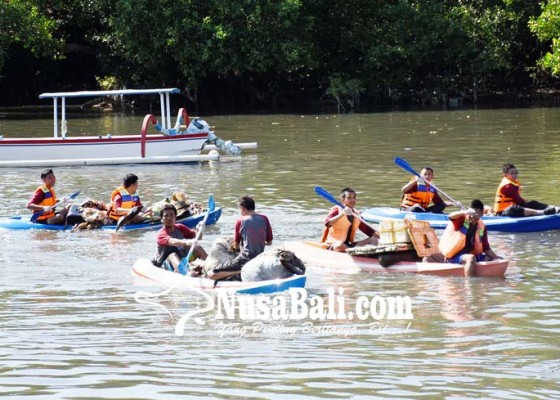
(274, 55)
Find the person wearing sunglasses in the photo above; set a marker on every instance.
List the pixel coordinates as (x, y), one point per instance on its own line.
(508, 201)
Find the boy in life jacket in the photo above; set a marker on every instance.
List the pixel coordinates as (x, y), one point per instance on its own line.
(341, 225)
(125, 201)
(508, 201)
(465, 239)
(43, 198)
(173, 240)
(418, 194)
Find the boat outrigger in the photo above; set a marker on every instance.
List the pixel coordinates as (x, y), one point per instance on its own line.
(170, 145)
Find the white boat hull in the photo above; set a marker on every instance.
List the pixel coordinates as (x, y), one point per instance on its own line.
(35, 152)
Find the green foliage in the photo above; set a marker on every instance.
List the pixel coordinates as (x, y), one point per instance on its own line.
(345, 91)
(355, 51)
(107, 82)
(22, 23)
(547, 29)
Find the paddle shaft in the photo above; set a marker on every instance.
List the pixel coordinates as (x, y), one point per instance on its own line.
(407, 167)
(184, 264)
(327, 195)
(58, 203)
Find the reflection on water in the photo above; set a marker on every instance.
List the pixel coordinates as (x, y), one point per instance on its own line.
(70, 327)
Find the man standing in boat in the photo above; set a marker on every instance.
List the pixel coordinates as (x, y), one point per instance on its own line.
(465, 240)
(44, 199)
(341, 225)
(173, 242)
(125, 202)
(419, 193)
(508, 201)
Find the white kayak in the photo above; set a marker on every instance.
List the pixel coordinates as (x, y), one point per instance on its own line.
(144, 269)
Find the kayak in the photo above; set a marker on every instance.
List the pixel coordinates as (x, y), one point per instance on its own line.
(145, 270)
(24, 223)
(493, 223)
(312, 253)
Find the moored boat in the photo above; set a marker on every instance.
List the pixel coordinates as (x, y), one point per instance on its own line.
(144, 269)
(493, 223)
(313, 254)
(169, 145)
(24, 223)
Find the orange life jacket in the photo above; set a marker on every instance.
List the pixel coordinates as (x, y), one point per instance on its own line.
(424, 195)
(453, 241)
(501, 202)
(339, 231)
(128, 202)
(49, 199)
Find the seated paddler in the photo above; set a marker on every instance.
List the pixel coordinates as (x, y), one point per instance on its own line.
(465, 239)
(175, 240)
(508, 201)
(418, 193)
(125, 202)
(44, 199)
(342, 224)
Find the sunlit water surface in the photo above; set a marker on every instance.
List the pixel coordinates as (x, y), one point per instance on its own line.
(70, 326)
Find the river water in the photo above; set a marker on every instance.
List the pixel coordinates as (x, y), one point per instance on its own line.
(74, 324)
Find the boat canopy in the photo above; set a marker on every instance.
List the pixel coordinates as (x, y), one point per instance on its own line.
(163, 94)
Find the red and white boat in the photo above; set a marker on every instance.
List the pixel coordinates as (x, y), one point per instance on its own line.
(169, 145)
(313, 254)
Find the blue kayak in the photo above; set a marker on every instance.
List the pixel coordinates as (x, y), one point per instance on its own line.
(493, 223)
(23, 223)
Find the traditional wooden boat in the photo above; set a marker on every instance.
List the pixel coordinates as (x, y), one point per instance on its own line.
(24, 223)
(493, 223)
(170, 145)
(144, 269)
(313, 254)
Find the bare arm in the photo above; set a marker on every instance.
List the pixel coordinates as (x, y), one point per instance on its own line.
(410, 186)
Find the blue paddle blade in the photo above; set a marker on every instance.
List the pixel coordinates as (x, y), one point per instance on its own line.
(406, 166)
(326, 195)
(211, 204)
(74, 195)
(182, 266)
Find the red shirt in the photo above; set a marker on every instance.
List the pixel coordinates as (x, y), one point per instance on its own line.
(512, 191)
(38, 197)
(253, 232)
(180, 232)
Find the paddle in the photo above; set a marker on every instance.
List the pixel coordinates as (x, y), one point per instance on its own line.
(127, 218)
(64, 200)
(407, 167)
(184, 264)
(326, 195)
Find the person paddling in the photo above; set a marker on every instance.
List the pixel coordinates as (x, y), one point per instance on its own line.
(341, 225)
(465, 239)
(125, 202)
(418, 193)
(508, 201)
(173, 240)
(43, 198)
